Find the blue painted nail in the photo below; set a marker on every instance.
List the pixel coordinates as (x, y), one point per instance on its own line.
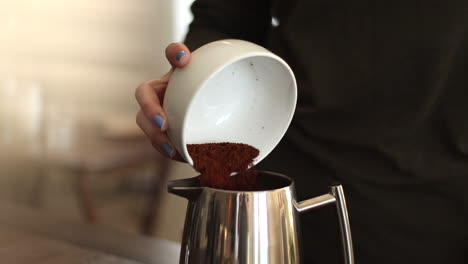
(159, 120)
(180, 54)
(167, 148)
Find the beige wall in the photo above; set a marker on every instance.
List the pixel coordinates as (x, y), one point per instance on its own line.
(63, 61)
(84, 51)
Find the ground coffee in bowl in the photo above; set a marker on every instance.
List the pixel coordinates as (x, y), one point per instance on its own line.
(225, 166)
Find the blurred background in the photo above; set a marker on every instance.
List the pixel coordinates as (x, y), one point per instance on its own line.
(68, 139)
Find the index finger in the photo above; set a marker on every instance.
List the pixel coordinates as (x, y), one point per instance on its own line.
(148, 97)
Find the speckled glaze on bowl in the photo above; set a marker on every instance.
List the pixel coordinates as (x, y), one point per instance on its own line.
(231, 91)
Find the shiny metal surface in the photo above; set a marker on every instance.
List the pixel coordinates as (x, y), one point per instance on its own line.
(315, 203)
(258, 227)
(345, 227)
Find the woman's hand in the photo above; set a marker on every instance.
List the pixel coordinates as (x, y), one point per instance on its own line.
(151, 118)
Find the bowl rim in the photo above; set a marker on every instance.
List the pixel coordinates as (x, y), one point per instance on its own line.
(219, 68)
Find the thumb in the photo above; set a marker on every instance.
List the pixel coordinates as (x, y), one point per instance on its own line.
(178, 55)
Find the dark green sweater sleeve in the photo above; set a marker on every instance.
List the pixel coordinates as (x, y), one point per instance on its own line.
(220, 19)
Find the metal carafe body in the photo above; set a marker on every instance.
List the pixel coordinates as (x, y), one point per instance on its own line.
(256, 227)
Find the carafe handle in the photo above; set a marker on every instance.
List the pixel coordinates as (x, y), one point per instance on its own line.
(336, 196)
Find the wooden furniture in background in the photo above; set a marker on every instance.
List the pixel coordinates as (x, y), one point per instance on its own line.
(99, 147)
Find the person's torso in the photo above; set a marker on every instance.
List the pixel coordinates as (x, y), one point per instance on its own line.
(385, 79)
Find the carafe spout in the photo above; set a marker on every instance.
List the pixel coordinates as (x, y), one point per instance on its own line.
(186, 188)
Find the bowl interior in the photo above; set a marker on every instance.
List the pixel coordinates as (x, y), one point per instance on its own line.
(250, 101)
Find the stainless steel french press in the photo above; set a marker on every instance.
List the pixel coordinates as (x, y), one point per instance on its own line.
(250, 227)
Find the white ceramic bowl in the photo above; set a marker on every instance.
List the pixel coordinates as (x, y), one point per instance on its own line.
(231, 91)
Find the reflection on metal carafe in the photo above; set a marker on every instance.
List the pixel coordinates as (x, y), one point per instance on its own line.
(259, 227)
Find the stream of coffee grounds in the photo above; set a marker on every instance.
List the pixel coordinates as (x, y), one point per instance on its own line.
(217, 161)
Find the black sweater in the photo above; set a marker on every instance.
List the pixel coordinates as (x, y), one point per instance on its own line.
(383, 93)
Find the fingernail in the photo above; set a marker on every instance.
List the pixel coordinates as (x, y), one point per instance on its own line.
(159, 120)
(180, 54)
(167, 148)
